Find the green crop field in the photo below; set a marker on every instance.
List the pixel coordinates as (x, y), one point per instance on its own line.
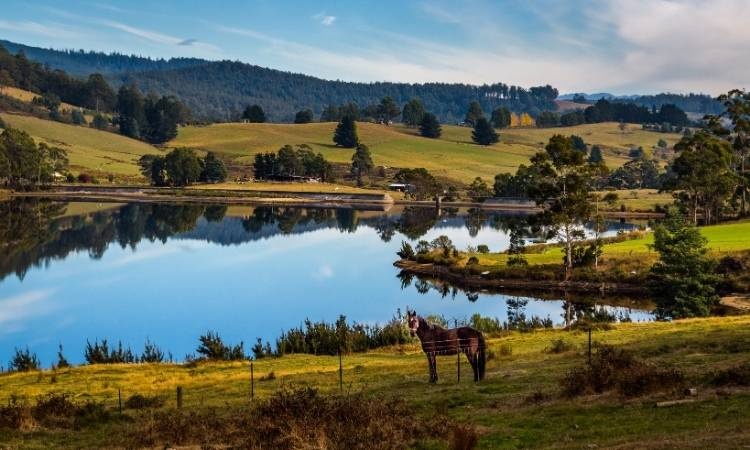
(518, 405)
(452, 156)
(724, 238)
(89, 150)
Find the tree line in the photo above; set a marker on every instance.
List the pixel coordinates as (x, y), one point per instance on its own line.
(182, 167)
(24, 164)
(290, 162)
(606, 111)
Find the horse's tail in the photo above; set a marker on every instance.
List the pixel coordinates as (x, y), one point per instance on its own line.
(482, 357)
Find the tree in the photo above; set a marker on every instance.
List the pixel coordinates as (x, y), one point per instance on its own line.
(287, 162)
(100, 97)
(500, 118)
(547, 119)
(154, 168)
(702, 175)
(99, 122)
(559, 181)
(131, 118)
(478, 190)
(662, 144)
(425, 186)
(413, 112)
(636, 174)
(388, 110)
(26, 164)
(483, 133)
(254, 114)
(474, 113)
(212, 347)
(330, 114)
(682, 281)
(162, 115)
(304, 116)
(737, 109)
(595, 157)
(361, 163)
(429, 126)
(23, 361)
(183, 166)
(346, 133)
(578, 143)
(77, 117)
(214, 170)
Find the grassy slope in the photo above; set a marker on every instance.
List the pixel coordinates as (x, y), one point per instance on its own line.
(497, 405)
(452, 156)
(728, 237)
(89, 150)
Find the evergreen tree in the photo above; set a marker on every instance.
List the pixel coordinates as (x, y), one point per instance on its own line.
(77, 117)
(183, 166)
(474, 113)
(254, 114)
(683, 281)
(578, 143)
(330, 114)
(483, 133)
(304, 116)
(214, 170)
(429, 126)
(500, 118)
(361, 163)
(413, 112)
(99, 122)
(346, 133)
(131, 118)
(595, 157)
(388, 110)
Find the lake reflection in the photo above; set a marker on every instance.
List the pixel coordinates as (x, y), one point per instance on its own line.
(169, 272)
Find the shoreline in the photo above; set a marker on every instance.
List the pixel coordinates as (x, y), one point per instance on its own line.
(302, 199)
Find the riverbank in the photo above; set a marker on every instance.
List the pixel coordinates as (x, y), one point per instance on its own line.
(282, 193)
(519, 404)
(623, 267)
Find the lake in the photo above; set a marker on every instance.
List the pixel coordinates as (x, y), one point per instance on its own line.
(78, 271)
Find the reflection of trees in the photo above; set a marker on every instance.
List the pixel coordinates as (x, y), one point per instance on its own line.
(215, 213)
(415, 222)
(346, 218)
(475, 220)
(516, 311)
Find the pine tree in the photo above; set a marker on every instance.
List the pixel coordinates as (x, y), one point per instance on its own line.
(474, 113)
(346, 133)
(254, 114)
(361, 162)
(214, 170)
(413, 112)
(595, 157)
(429, 126)
(483, 133)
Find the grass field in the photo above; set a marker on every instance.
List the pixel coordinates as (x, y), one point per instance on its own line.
(89, 150)
(452, 156)
(724, 238)
(519, 405)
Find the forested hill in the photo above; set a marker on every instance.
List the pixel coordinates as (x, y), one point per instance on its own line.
(220, 90)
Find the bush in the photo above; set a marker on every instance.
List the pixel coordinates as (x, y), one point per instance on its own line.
(406, 252)
(23, 361)
(270, 376)
(51, 411)
(473, 261)
(559, 346)
(138, 401)
(616, 369)
(482, 248)
(733, 376)
(212, 347)
(100, 353)
(86, 178)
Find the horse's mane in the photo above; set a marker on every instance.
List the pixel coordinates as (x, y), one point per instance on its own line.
(429, 325)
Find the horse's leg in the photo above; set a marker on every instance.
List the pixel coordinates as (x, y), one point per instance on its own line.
(471, 356)
(434, 368)
(429, 367)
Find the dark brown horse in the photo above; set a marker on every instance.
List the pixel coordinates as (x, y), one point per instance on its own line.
(439, 341)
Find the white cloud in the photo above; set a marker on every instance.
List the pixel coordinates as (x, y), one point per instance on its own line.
(324, 19)
(323, 272)
(19, 307)
(35, 28)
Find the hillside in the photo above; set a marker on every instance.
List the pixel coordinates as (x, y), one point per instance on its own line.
(89, 150)
(452, 156)
(220, 90)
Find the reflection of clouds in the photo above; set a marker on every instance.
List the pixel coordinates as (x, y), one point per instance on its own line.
(324, 271)
(278, 244)
(14, 309)
(143, 255)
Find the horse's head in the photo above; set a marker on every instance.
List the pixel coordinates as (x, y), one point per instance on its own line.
(413, 322)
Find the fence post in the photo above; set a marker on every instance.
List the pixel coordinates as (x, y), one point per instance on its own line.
(119, 399)
(252, 381)
(341, 371)
(458, 360)
(179, 397)
(589, 346)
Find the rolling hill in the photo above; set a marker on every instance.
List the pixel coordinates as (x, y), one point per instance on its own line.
(453, 156)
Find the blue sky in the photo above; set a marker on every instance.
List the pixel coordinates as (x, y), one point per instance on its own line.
(618, 46)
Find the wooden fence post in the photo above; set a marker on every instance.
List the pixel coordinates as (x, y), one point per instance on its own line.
(458, 360)
(179, 397)
(252, 381)
(119, 399)
(589, 346)
(341, 371)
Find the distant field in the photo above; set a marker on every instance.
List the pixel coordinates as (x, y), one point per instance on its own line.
(453, 156)
(89, 150)
(724, 238)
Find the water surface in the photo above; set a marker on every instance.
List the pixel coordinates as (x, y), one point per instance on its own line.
(169, 272)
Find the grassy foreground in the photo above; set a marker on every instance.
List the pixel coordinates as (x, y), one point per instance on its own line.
(518, 405)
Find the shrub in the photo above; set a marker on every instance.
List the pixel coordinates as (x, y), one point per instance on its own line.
(616, 369)
(473, 261)
(482, 248)
(86, 178)
(463, 437)
(138, 401)
(559, 346)
(23, 361)
(406, 252)
(100, 353)
(151, 353)
(268, 377)
(212, 347)
(732, 376)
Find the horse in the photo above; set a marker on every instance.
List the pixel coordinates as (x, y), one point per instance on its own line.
(437, 340)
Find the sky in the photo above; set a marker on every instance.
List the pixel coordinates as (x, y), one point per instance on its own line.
(616, 46)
